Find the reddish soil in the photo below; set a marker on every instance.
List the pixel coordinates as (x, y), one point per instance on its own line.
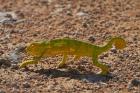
(93, 21)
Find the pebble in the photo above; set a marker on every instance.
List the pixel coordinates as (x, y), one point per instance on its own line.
(85, 80)
(26, 85)
(133, 82)
(14, 57)
(14, 66)
(20, 48)
(103, 56)
(81, 14)
(3, 81)
(9, 17)
(91, 38)
(69, 13)
(5, 62)
(113, 50)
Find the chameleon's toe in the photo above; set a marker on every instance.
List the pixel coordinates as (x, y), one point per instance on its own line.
(61, 65)
(104, 73)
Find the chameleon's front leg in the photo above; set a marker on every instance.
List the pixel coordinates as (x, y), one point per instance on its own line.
(33, 61)
(104, 68)
(63, 62)
(25, 63)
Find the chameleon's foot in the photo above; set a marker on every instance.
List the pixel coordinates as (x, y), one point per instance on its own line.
(104, 73)
(105, 70)
(61, 65)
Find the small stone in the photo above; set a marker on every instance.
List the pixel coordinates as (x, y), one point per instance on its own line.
(91, 38)
(85, 80)
(14, 66)
(3, 81)
(20, 49)
(26, 85)
(1, 52)
(7, 17)
(134, 39)
(135, 82)
(81, 14)
(103, 56)
(113, 50)
(1, 91)
(69, 13)
(5, 62)
(85, 24)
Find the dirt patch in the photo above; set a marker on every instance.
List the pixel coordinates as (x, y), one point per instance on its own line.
(94, 21)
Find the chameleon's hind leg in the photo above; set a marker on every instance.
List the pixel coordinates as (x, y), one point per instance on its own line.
(104, 68)
(63, 62)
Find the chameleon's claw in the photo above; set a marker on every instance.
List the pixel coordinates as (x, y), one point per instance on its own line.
(61, 65)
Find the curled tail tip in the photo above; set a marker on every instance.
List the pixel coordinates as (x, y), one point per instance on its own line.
(119, 43)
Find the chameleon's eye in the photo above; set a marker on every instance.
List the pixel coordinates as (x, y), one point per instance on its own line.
(34, 44)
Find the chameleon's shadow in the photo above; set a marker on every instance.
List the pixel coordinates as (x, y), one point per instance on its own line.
(74, 74)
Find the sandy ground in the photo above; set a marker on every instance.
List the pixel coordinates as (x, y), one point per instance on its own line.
(93, 21)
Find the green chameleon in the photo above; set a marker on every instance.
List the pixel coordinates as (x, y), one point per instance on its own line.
(67, 47)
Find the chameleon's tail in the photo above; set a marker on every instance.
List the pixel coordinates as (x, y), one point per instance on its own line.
(118, 42)
(25, 63)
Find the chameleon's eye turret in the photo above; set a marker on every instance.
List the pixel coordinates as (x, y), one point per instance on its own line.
(119, 43)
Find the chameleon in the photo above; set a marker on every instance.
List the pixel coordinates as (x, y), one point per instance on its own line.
(67, 46)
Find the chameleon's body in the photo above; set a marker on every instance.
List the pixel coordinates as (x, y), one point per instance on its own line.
(67, 47)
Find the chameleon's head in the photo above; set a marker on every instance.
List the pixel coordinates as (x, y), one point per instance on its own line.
(119, 43)
(35, 48)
